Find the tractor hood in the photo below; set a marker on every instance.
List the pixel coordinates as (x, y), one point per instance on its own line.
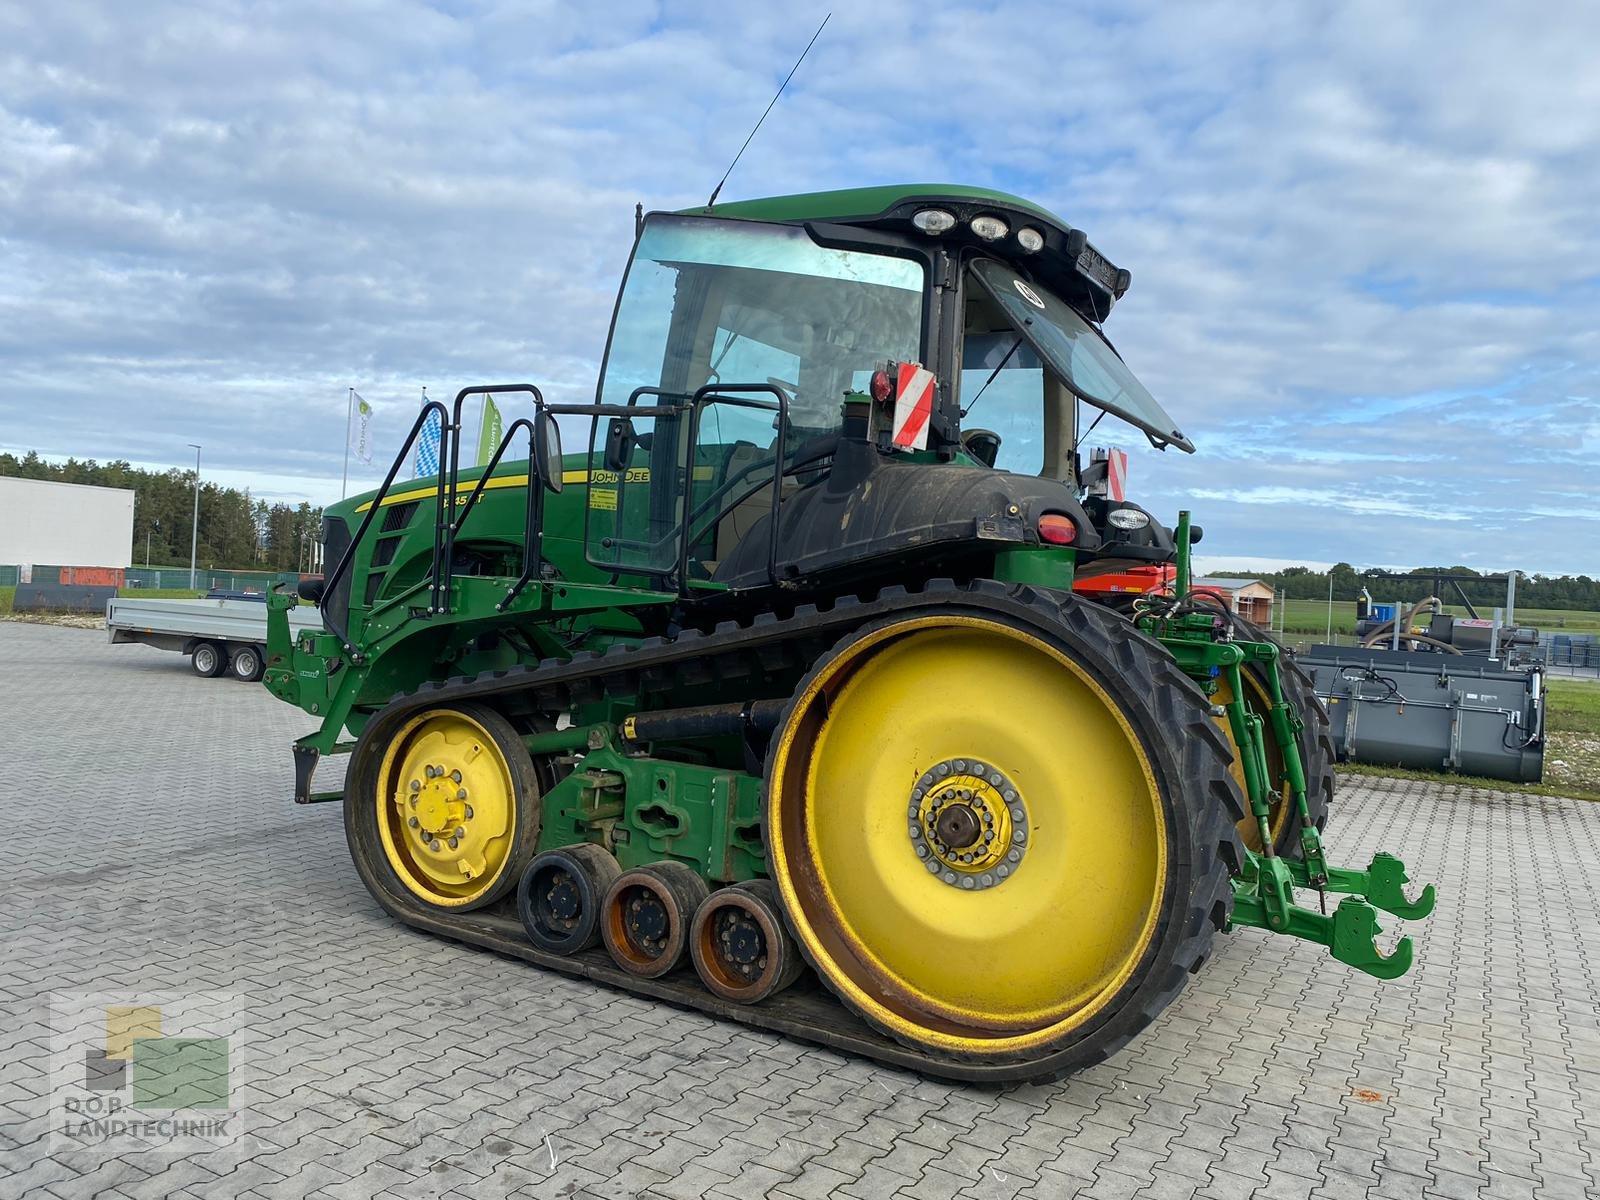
(938, 517)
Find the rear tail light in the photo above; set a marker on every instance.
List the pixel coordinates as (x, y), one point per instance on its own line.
(1057, 530)
(882, 387)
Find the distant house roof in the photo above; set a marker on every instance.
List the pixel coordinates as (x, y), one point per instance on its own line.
(1227, 585)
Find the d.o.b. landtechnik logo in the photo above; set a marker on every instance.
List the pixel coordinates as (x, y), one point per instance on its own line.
(141, 1071)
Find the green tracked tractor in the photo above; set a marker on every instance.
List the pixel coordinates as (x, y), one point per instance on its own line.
(828, 688)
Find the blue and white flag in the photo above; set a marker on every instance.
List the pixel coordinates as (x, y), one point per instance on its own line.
(427, 458)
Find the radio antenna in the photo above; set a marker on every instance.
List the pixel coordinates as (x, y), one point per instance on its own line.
(717, 191)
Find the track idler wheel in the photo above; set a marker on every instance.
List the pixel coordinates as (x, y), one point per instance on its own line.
(561, 895)
(739, 945)
(646, 916)
(442, 808)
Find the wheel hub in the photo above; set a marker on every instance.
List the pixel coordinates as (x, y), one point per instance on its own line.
(563, 898)
(646, 921)
(439, 809)
(968, 824)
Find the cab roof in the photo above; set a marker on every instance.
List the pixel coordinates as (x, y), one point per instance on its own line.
(1066, 261)
(867, 203)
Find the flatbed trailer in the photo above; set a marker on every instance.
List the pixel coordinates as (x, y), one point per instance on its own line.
(219, 636)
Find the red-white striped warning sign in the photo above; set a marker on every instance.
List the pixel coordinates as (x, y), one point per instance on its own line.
(1116, 474)
(913, 406)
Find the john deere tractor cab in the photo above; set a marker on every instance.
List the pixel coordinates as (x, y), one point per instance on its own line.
(816, 322)
(800, 665)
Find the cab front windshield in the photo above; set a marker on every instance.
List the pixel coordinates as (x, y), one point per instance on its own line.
(732, 302)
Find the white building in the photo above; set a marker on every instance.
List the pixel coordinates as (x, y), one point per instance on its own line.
(64, 524)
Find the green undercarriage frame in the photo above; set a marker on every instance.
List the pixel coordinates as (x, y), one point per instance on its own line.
(711, 817)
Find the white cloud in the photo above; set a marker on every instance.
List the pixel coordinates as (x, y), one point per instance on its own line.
(1362, 237)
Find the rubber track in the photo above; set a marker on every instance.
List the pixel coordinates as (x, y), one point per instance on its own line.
(733, 652)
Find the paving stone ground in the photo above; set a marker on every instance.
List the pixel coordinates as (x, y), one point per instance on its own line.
(150, 844)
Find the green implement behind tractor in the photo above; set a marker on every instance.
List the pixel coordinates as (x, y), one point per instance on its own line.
(829, 649)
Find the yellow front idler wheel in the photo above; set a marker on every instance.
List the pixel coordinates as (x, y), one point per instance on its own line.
(446, 807)
(973, 840)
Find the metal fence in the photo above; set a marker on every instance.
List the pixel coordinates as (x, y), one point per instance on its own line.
(178, 577)
(1570, 653)
(136, 579)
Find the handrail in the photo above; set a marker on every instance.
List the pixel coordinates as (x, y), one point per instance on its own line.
(533, 516)
(332, 581)
(712, 393)
(442, 578)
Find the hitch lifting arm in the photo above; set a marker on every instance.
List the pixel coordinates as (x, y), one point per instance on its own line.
(1209, 651)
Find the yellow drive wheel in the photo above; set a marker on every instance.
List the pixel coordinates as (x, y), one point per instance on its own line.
(979, 834)
(445, 807)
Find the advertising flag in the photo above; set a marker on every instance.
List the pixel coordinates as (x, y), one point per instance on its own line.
(427, 456)
(489, 431)
(361, 429)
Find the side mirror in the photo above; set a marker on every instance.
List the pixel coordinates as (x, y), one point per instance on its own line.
(550, 451)
(982, 444)
(620, 441)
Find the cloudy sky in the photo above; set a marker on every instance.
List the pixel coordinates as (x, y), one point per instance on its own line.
(1365, 238)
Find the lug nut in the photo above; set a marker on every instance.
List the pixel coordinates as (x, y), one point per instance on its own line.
(455, 776)
(461, 793)
(412, 822)
(416, 785)
(469, 807)
(433, 844)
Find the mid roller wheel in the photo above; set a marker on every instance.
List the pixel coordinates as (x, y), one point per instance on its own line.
(740, 947)
(1003, 831)
(560, 897)
(646, 915)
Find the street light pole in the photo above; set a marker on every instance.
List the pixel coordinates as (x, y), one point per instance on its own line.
(194, 535)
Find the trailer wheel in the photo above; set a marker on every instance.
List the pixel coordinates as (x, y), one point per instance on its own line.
(208, 660)
(247, 664)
